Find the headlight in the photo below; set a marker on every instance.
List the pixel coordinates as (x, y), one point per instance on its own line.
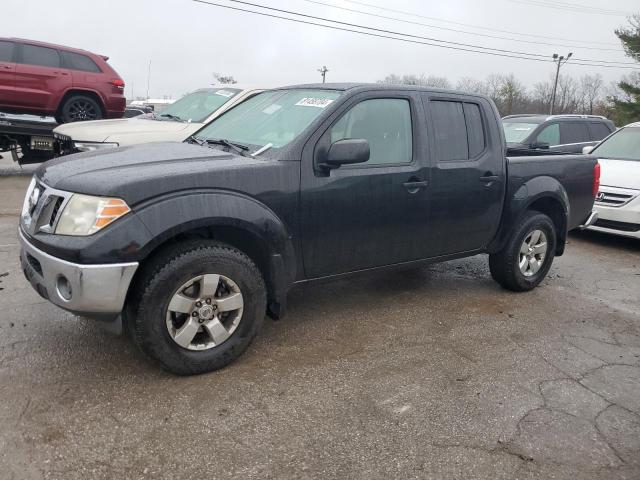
(85, 215)
(91, 146)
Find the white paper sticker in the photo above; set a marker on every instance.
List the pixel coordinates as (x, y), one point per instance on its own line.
(272, 109)
(314, 102)
(224, 93)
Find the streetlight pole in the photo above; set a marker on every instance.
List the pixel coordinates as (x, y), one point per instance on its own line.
(323, 71)
(559, 61)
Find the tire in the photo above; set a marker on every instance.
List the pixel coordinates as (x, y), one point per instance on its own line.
(156, 328)
(505, 266)
(77, 108)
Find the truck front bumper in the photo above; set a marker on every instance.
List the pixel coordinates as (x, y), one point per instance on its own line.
(91, 290)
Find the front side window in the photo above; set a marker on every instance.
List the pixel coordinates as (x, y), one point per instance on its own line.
(622, 145)
(197, 106)
(273, 118)
(517, 132)
(549, 135)
(574, 132)
(77, 61)
(6, 51)
(42, 56)
(385, 123)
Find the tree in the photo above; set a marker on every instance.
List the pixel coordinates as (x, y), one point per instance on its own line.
(590, 86)
(470, 85)
(627, 108)
(419, 80)
(224, 79)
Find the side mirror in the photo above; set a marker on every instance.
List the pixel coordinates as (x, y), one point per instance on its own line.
(539, 145)
(588, 149)
(347, 152)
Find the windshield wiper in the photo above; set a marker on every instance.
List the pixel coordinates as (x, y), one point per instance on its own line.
(238, 147)
(172, 117)
(194, 139)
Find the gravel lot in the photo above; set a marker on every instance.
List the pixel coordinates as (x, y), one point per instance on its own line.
(431, 373)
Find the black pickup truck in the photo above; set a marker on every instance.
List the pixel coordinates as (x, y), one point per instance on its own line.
(191, 244)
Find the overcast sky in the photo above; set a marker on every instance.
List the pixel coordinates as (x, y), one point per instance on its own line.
(186, 41)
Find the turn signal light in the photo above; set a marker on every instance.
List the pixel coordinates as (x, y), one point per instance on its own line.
(112, 210)
(118, 83)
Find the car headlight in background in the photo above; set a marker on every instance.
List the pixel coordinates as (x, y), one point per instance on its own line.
(85, 215)
(91, 146)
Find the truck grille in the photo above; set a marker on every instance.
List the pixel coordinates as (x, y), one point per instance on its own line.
(615, 197)
(42, 208)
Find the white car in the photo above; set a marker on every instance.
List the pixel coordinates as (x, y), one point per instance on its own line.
(618, 200)
(174, 123)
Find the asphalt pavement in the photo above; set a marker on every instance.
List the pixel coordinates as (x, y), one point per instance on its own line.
(430, 373)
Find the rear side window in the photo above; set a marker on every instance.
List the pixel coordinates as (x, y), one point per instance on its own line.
(549, 135)
(598, 130)
(6, 51)
(43, 56)
(574, 132)
(458, 129)
(385, 123)
(77, 61)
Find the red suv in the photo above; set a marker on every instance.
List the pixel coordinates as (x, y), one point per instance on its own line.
(46, 79)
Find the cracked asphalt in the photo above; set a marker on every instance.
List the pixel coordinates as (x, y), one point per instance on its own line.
(429, 373)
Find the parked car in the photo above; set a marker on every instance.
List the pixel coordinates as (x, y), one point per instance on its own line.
(173, 123)
(194, 241)
(547, 134)
(134, 111)
(618, 200)
(67, 83)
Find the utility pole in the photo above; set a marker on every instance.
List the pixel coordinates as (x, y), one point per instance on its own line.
(148, 78)
(323, 71)
(559, 61)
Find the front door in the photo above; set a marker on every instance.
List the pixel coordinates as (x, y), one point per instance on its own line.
(467, 176)
(370, 214)
(40, 79)
(7, 73)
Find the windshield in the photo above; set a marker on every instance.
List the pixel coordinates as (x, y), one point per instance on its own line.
(623, 145)
(197, 106)
(516, 132)
(272, 118)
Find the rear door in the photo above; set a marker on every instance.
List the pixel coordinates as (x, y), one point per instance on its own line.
(467, 174)
(40, 78)
(573, 136)
(7, 73)
(370, 214)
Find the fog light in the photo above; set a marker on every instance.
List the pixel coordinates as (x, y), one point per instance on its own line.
(64, 288)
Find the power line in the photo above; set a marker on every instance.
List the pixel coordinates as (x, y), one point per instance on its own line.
(572, 7)
(412, 14)
(485, 35)
(496, 52)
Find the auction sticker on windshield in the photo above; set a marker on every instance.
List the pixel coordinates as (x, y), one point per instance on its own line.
(224, 93)
(314, 102)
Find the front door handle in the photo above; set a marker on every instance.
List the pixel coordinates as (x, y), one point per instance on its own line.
(488, 178)
(413, 186)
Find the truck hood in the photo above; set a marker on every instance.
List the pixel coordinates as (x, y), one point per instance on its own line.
(136, 173)
(620, 173)
(125, 131)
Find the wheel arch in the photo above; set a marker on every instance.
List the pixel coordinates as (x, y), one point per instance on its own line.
(82, 91)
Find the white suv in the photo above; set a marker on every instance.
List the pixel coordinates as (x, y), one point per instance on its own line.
(176, 122)
(618, 199)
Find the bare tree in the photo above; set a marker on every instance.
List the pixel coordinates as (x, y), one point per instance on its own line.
(591, 86)
(471, 85)
(224, 79)
(419, 80)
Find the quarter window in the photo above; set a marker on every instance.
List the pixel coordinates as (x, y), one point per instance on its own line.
(549, 135)
(598, 130)
(385, 123)
(6, 51)
(43, 56)
(458, 129)
(77, 61)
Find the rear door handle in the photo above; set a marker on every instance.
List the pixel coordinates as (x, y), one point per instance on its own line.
(413, 186)
(489, 178)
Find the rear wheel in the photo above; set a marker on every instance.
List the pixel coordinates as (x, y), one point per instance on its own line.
(198, 307)
(526, 259)
(77, 108)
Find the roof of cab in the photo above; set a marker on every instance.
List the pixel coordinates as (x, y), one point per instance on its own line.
(377, 86)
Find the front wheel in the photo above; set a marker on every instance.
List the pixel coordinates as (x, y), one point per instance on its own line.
(526, 259)
(197, 307)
